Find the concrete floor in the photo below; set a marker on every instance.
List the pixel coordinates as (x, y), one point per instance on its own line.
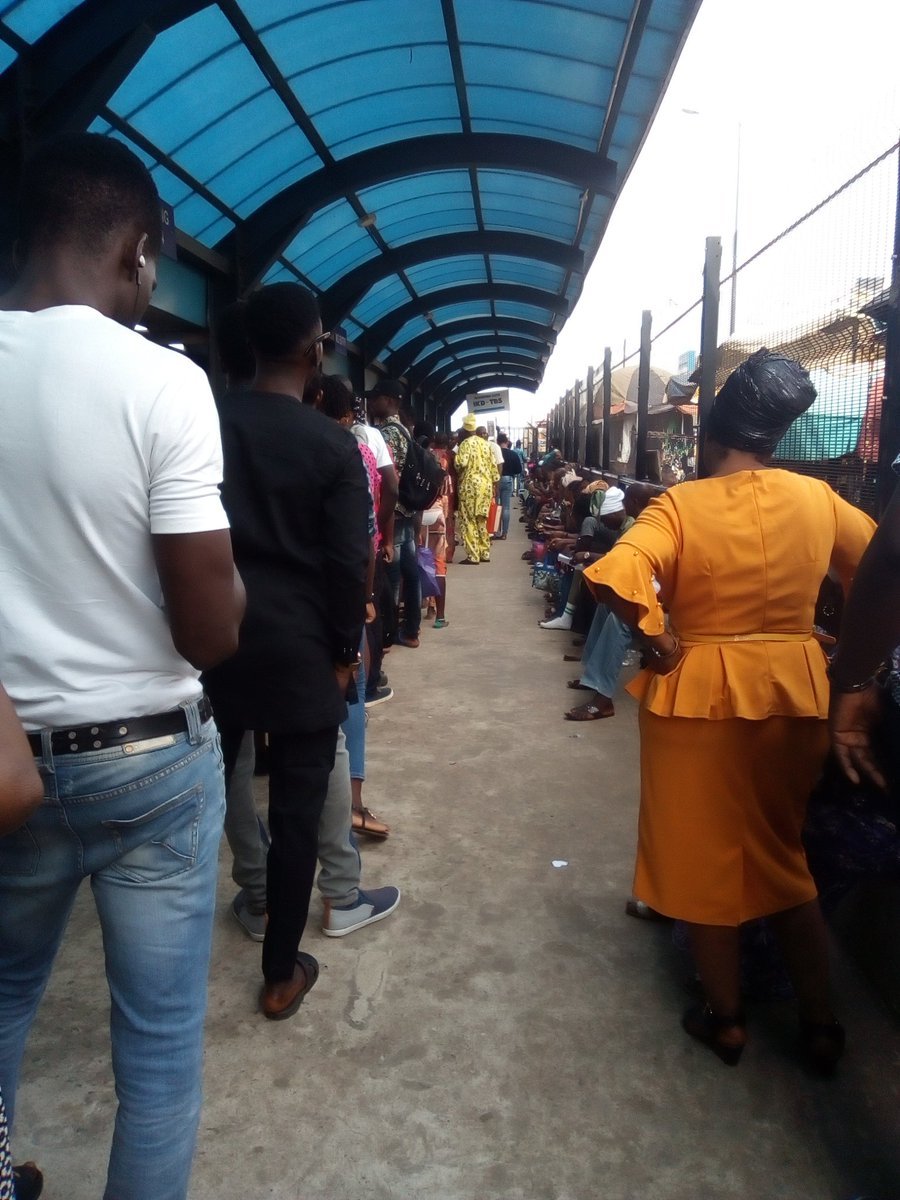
(509, 1033)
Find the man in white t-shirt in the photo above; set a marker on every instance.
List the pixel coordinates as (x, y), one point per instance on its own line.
(382, 631)
(117, 586)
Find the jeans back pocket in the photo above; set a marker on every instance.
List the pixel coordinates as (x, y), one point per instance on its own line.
(160, 842)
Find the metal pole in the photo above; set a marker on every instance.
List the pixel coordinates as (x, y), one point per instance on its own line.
(709, 341)
(889, 432)
(643, 398)
(589, 419)
(577, 424)
(734, 242)
(607, 405)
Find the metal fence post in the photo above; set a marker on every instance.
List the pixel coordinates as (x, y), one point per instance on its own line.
(577, 424)
(889, 432)
(607, 405)
(589, 419)
(643, 398)
(709, 341)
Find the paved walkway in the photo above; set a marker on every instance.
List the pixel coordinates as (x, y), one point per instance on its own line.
(508, 1034)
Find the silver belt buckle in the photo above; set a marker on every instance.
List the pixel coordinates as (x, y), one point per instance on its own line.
(157, 743)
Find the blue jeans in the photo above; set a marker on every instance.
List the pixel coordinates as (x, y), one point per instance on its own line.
(506, 486)
(404, 566)
(601, 659)
(145, 827)
(354, 724)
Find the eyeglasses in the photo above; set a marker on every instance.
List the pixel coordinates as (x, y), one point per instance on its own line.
(318, 341)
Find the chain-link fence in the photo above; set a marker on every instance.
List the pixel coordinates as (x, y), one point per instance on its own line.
(821, 291)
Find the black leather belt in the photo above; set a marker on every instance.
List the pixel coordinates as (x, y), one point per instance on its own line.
(85, 738)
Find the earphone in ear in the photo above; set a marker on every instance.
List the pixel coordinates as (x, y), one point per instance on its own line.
(142, 262)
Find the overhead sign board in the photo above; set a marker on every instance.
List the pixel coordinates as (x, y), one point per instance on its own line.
(489, 402)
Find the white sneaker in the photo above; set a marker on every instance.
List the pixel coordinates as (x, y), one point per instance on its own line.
(563, 622)
(370, 906)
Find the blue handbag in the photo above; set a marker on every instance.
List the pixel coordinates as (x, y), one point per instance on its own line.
(427, 572)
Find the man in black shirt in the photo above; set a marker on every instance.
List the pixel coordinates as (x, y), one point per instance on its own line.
(297, 497)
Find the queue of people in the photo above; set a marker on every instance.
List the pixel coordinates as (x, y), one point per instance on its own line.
(226, 579)
(178, 627)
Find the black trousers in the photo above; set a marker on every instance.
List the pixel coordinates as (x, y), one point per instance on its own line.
(299, 766)
(383, 630)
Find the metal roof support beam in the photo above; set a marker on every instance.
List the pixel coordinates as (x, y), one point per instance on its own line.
(342, 297)
(488, 340)
(630, 45)
(277, 222)
(448, 399)
(451, 376)
(400, 362)
(490, 361)
(382, 332)
(71, 72)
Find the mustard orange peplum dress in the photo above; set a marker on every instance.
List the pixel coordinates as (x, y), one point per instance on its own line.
(733, 740)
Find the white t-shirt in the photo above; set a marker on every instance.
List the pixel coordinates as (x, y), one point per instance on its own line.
(497, 453)
(105, 438)
(374, 439)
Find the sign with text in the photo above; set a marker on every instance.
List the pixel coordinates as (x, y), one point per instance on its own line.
(489, 402)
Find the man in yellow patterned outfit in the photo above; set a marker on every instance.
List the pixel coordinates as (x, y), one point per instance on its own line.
(478, 475)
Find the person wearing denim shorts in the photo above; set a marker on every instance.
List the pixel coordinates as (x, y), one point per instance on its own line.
(116, 593)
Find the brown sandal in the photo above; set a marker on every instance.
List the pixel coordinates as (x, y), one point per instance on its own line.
(589, 712)
(366, 822)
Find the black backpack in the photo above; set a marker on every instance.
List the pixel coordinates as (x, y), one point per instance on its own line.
(421, 479)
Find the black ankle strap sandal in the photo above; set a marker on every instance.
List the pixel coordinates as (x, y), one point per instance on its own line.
(822, 1045)
(704, 1025)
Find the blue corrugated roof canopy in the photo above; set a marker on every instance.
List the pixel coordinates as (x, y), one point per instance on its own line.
(440, 172)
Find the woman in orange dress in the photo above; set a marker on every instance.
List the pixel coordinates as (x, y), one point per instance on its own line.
(734, 704)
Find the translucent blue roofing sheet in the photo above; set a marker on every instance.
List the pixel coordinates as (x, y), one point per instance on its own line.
(467, 268)
(414, 163)
(31, 19)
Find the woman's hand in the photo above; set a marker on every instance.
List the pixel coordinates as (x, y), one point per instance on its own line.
(853, 719)
(370, 613)
(665, 653)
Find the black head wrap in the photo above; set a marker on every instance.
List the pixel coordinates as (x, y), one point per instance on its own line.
(759, 401)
